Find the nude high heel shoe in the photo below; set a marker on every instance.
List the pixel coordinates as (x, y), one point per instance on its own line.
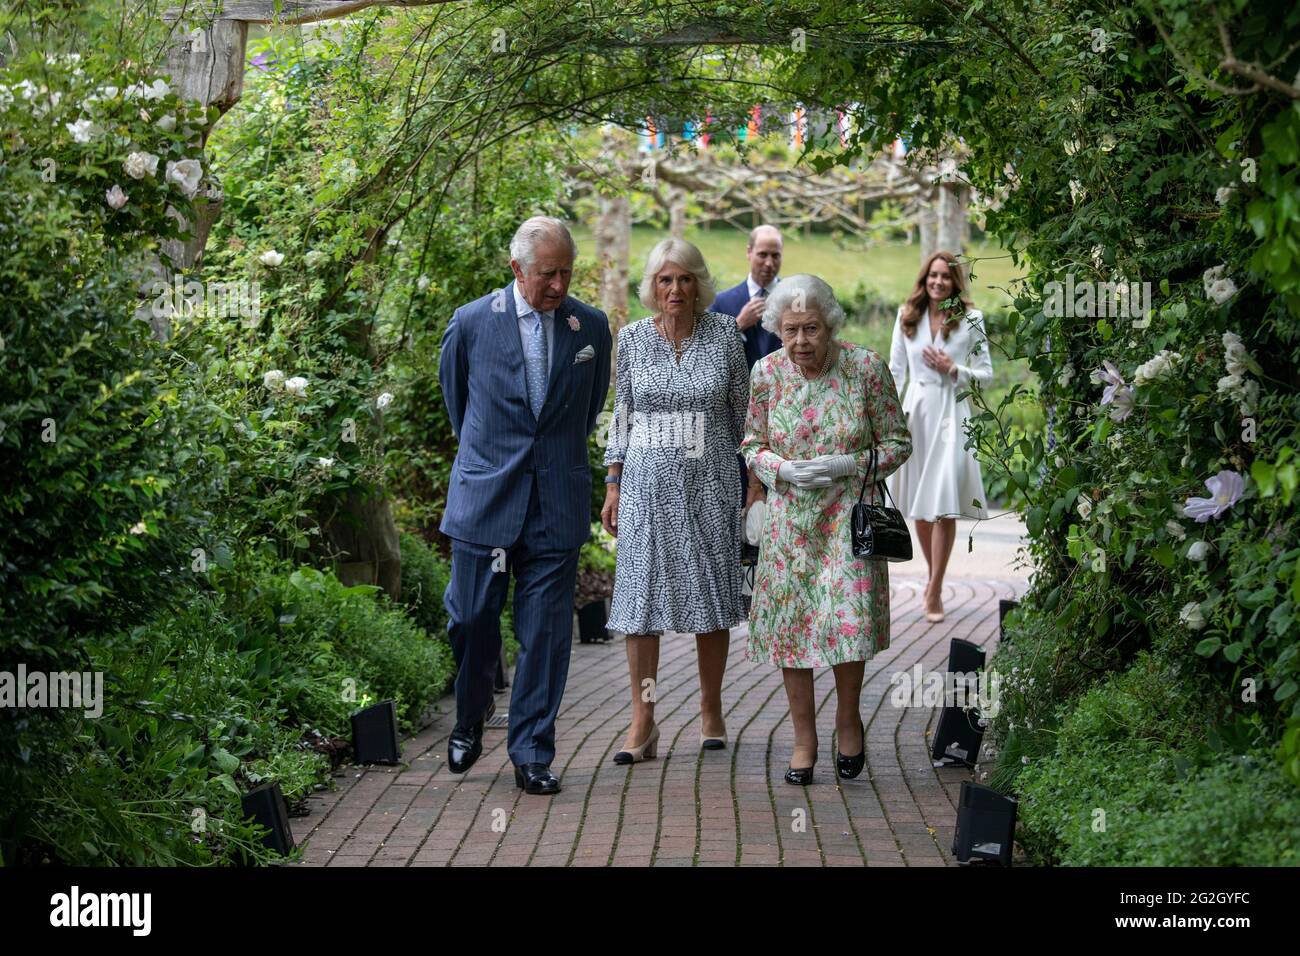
(934, 616)
(646, 750)
(713, 743)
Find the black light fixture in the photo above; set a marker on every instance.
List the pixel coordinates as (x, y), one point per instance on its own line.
(591, 623)
(986, 825)
(1004, 606)
(265, 804)
(959, 734)
(374, 734)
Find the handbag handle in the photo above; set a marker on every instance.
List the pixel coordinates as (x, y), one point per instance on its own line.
(869, 478)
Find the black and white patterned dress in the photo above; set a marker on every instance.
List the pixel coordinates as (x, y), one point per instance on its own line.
(676, 430)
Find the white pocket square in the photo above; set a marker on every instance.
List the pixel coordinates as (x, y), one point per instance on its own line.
(585, 354)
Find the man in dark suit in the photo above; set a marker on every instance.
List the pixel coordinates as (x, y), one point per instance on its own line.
(745, 301)
(524, 373)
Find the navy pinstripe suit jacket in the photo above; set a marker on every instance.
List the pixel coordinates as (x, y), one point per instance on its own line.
(503, 446)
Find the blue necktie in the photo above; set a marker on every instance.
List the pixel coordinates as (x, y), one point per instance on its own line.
(535, 363)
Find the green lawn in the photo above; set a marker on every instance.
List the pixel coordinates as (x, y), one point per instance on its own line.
(888, 268)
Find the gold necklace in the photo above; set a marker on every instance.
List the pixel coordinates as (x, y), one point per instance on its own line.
(662, 324)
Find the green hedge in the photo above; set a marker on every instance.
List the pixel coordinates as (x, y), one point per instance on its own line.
(204, 704)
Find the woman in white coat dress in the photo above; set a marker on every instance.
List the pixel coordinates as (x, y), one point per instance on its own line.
(935, 354)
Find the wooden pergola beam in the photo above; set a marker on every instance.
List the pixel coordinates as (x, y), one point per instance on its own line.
(287, 12)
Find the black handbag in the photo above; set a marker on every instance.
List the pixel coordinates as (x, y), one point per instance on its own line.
(879, 531)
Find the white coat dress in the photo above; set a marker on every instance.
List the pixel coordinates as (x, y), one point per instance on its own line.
(942, 477)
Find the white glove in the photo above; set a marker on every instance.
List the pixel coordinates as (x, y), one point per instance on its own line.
(755, 518)
(805, 474)
(838, 466)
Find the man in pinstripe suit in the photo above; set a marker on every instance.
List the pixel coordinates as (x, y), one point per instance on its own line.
(524, 373)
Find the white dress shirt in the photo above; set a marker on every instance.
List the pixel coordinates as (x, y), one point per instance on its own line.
(527, 323)
(754, 286)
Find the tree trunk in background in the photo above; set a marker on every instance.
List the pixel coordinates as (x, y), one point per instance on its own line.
(676, 213)
(208, 66)
(943, 222)
(953, 226)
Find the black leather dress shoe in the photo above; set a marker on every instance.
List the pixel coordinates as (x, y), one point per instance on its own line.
(537, 778)
(464, 747)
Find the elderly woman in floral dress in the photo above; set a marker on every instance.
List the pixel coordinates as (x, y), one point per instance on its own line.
(817, 409)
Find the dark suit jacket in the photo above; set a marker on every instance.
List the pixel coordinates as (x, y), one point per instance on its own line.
(758, 340)
(503, 446)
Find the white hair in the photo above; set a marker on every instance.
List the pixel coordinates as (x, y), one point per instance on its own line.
(802, 293)
(680, 253)
(534, 231)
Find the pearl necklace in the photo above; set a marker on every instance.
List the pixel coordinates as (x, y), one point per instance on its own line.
(826, 365)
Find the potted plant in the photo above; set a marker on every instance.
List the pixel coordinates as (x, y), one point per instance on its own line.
(595, 586)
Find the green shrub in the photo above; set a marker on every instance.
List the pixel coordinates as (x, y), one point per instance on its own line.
(425, 577)
(1134, 747)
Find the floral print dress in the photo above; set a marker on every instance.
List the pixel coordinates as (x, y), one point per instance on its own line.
(815, 604)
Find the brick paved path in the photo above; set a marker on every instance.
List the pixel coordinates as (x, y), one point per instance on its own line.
(716, 808)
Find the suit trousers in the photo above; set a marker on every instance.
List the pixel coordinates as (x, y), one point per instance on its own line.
(544, 588)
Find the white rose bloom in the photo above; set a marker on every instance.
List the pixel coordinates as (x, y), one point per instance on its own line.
(271, 258)
(313, 258)
(1198, 551)
(1085, 508)
(1249, 397)
(1223, 194)
(115, 197)
(384, 400)
(296, 386)
(1221, 290)
(1158, 366)
(83, 131)
(1191, 616)
(1175, 530)
(273, 380)
(140, 165)
(1077, 192)
(422, 283)
(1107, 143)
(166, 122)
(108, 91)
(325, 464)
(185, 175)
(1071, 146)
(139, 528)
(156, 90)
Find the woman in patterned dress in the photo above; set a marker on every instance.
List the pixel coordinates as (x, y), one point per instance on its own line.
(817, 408)
(672, 499)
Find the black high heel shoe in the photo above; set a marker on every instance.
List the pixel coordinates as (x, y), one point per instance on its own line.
(850, 767)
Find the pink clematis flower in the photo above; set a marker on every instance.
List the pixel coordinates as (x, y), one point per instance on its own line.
(1123, 400)
(1225, 490)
